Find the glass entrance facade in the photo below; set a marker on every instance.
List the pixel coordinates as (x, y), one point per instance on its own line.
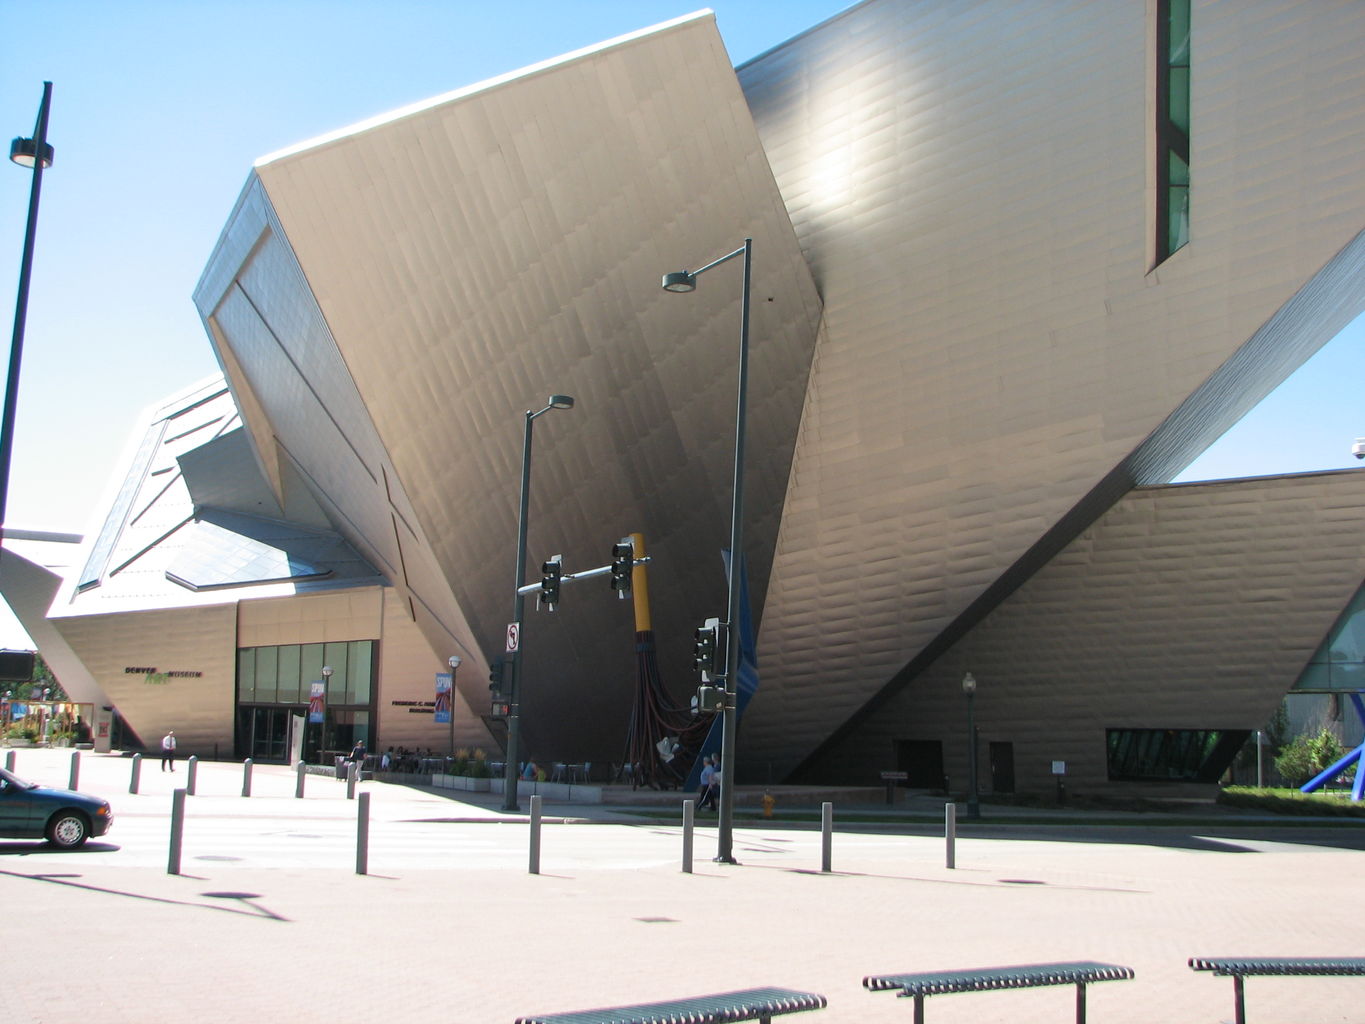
(274, 685)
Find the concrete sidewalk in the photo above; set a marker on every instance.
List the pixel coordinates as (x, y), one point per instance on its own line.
(471, 936)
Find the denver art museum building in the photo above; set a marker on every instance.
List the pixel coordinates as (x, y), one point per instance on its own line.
(1014, 267)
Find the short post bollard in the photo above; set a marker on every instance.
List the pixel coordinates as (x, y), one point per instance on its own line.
(75, 779)
(246, 776)
(192, 774)
(826, 836)
(362, 836)
(9, 761)
(351, 774)
(136, 774)
(689, 818)
(177, 831)
(950, 832)
(535, 835)
(302, 770)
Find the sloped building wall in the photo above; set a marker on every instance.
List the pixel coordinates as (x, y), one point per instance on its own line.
(1192, 606)
(973, 187)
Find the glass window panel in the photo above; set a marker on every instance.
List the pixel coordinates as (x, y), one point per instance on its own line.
(335, 656)
(267, 673)
(1179, 218)
(246, 674)
(288, 692)
(1178, 99)
(1178, 171)
(360, 661)
(310, 668)
(1178, 32)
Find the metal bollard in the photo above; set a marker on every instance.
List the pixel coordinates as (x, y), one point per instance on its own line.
(302, 770)
(535, 835)
(246, 776)
(950, 832)
(177, 831)
(362, 836)
(351, 774)
(75, 780)
(136, 774)
(192, 774)
(826, 836)
(689, 818)
(9, 761)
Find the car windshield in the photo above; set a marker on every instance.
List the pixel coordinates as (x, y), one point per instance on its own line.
(8, 778)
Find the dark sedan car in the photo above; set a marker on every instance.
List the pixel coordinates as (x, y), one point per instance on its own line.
(65, 818)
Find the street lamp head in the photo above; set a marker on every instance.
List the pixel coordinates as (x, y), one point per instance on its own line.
(454, 662)
(969, 684)
(560, 402)
(680, 281)
(327, 671)
(24, 152)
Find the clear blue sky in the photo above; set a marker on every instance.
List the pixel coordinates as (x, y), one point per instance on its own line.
(159, 110)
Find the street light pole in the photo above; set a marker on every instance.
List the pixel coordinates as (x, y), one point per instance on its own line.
(973, 801)
(686, 281)
(37, 154)
(326, 699)
(454, 662)
(511, 773)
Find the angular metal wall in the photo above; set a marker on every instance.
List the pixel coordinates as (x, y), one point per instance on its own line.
(1184, 607)
(971, 184)
(470, 257)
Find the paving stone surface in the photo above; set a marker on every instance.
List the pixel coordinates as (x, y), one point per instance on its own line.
(270, 921)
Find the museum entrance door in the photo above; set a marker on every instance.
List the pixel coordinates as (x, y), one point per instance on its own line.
(263, 732)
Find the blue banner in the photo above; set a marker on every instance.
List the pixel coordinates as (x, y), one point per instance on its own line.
(317, 700)
(443, 696)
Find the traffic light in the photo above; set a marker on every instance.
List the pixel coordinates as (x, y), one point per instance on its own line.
(705, 649)
(622, 564)
(551, 573)
(495, 679)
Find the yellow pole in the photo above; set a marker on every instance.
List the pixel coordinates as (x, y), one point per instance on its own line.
(639, 586)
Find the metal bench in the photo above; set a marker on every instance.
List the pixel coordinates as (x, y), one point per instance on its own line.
(1238, 968)
(986, 979)
(760, 1004)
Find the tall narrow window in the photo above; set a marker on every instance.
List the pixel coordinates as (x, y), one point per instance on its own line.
(1173, 126)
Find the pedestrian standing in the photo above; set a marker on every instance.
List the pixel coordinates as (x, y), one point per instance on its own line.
(168, 751)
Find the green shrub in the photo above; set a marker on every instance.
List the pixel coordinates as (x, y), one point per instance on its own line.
(1306, 756)
(1291, 801)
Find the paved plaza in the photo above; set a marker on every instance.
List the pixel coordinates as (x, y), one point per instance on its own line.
(270, 921)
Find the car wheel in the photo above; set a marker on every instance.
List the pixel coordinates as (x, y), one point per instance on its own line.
(68, 829)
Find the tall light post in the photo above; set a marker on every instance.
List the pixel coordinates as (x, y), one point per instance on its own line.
(686, 281)
(34, 153)
(326, 696)
(973, 802)
(510, 773)
(454, 662)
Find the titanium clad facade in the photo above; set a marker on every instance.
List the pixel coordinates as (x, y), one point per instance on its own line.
(972, 185)
(1184, 607)
(393, 298)
(966, 355)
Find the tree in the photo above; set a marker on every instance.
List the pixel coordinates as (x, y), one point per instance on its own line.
(1308, 755)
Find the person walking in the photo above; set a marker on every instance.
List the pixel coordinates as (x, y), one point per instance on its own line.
(168, 751)
(708, 771)
(358, 757)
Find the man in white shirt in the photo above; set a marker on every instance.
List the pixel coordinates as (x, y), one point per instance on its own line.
(168, 751)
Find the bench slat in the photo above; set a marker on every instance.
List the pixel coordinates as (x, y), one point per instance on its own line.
(1269, 966)
(721, 1008)
(1080, 972)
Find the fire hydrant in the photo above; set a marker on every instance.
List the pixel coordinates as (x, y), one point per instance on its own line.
(768, 803)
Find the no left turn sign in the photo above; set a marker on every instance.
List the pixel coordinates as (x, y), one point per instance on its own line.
(513, 637)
